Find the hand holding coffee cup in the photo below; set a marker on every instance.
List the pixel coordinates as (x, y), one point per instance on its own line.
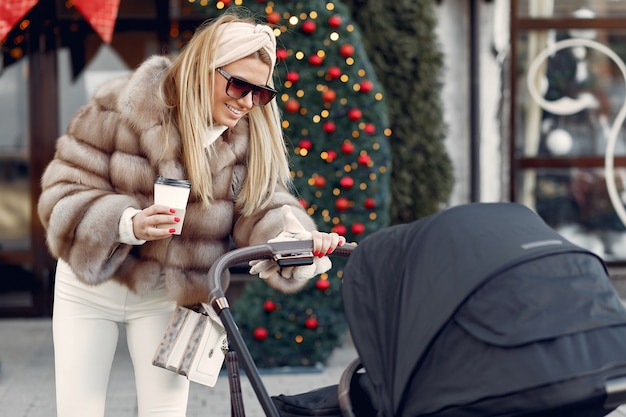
(155, 222)
(173, 193)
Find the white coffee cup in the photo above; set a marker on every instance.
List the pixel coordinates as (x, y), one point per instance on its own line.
(173, 193)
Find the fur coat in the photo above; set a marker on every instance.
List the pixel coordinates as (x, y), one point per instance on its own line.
(108, 160)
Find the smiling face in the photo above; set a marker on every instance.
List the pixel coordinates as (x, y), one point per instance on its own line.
(226, 110)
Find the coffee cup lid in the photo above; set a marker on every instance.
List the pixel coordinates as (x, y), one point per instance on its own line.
(172, 181)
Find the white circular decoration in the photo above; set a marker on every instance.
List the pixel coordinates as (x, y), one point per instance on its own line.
(568, 106)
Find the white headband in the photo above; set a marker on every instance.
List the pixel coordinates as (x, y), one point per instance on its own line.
(239, 40)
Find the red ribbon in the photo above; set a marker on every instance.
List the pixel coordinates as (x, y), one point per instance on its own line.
(100, 14)
(11, 11)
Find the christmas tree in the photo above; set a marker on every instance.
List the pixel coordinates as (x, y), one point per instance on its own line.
(336, 129)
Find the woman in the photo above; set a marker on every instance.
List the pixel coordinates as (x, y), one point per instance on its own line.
(208, 116)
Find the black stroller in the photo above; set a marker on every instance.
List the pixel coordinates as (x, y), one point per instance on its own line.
(479, 310)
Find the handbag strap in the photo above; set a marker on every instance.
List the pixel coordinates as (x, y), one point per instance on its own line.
(236, 397)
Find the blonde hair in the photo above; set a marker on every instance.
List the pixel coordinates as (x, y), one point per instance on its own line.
(188, 86)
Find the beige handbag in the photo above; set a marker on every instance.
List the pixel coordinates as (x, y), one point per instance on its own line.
(194, 344)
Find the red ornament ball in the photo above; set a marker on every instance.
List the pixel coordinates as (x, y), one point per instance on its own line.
(260, 333)
(303, 203)
(292, 76)
(342, 203)
(333, 73)
(272, 17)
(366, 86)
(369, 203)
(334, 21)
(305, 144)
(346, 50)
(281, 54)
(340, 229)
(322, 284)
(347, 147)
(364, 159)
(354, 114)
(226, 2)
(370, 129)
(319, 181)
(315, 60)
(357, 228)
(346, 182)
(292, 106)
(329, 127)
(329, 95)
(308, 27)
(331, 156)
(311, 323)
(269, 305)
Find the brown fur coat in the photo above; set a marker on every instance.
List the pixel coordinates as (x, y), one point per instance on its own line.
(108, 160)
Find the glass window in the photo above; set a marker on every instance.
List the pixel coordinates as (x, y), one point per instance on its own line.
(575, 202)
(15, 204)
(569, 108)
(569, 93)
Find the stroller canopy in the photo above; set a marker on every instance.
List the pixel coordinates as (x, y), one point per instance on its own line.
(403, 283)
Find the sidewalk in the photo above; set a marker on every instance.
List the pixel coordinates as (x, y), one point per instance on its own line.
(27, 377)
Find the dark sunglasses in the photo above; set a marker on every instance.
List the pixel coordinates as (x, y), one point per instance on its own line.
(237, 88)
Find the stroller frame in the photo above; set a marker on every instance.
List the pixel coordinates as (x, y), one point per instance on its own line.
(286, 254)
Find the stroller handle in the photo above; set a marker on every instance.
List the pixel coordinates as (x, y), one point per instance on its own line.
(291, 253)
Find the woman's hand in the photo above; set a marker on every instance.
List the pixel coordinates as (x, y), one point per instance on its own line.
(326, 243)
(154, 222)
(323, 244)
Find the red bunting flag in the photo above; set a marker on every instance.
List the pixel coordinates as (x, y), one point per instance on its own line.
(11, 11)
(100, 14)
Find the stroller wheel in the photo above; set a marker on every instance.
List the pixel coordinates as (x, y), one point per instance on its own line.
(354, 399)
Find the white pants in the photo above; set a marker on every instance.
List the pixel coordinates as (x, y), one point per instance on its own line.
(85, 331)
